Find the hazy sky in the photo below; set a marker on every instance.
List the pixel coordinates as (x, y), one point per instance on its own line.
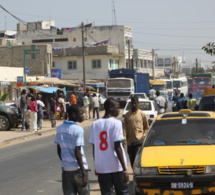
(172, 27)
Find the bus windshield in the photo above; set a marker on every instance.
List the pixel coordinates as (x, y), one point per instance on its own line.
(169, 84)
(176, 84)
(119, 83)
(159, 87)
(201, 81)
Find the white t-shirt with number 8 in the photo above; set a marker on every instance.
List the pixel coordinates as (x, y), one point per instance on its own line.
(103, 134)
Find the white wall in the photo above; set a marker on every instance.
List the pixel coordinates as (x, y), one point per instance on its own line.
(9, 74)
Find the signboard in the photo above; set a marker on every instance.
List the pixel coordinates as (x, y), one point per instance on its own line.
(19, 79)
(33, 51)
(27, 70)
(56, 73)
(4, 83)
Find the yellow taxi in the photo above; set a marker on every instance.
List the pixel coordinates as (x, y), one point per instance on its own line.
(177, 155)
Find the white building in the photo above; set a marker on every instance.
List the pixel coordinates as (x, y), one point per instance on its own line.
(8, 38)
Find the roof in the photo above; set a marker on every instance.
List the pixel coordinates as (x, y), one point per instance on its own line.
(52, 80)
(141, 100)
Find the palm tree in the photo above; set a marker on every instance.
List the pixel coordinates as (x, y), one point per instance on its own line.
(209, 48)
(3, 97)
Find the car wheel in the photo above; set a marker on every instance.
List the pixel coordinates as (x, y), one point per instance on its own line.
(4, 123)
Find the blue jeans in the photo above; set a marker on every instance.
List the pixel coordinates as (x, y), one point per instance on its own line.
(108, 180)
(72, 181)
(97, 111)
(23, 117)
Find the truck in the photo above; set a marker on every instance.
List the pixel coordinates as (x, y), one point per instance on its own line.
(201, 81)
(124, 82)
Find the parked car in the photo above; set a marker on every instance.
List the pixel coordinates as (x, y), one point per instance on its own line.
(139, 95)
(175, 157)
(207, 103)
(147, 106)
(9, 117)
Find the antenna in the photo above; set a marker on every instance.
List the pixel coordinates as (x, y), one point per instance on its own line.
(113, 14)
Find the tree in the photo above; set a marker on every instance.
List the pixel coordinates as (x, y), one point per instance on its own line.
(3, 97)
(200, 70)
(209, 48)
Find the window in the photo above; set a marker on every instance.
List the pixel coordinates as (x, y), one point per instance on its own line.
(53, 64)
(160, 61)
(141, 63)
(96, 64)
(116, 64)
(72, 65)
(42, 41)
(74, 39)
(167, 62)
(61, 40)
(85, 39)
(111, 64)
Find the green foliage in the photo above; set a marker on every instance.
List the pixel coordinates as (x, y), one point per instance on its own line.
(209, 48)
(200, 70)
(3, 97)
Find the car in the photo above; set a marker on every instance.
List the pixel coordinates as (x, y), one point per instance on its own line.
(207, 103)
(9, 117)
(147, 106)
(139, 95)
(176, 156)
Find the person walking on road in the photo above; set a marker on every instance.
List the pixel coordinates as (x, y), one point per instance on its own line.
(86, 106)
(95, 105)
(191, 103)
(52, 110)
(40, 115)
(61, 105)
(33, 114)
(90, 101)
(73, 99)
(106, 135)
(71, 153)
(152, 93)
(182, 102)
(136, 127)
(23, 107)
(161, 103)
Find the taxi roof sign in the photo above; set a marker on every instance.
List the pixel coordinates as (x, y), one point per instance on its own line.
(185, 111)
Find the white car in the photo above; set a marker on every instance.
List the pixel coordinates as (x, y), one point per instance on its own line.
(147, 106)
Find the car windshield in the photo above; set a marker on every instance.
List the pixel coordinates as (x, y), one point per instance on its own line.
(174, 133)
(207, 103)
(119, 83)
(138, 96)
(176, 84)
(202, 81)
(169, 84)
(158, 87)
(141, 106)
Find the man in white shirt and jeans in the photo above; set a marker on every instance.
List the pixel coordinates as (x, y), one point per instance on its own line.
(106, 135)
(161, 102)
(95, 106)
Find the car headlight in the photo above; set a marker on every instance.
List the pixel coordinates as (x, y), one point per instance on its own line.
(149, 171)
(210, 169)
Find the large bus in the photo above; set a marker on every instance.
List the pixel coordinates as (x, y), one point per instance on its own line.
(169, 86)
(181, 85)
(159, 85)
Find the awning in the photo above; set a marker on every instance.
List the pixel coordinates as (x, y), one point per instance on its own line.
(46, 90)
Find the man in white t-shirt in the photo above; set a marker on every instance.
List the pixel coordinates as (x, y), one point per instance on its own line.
(106, 135)
(161, 102)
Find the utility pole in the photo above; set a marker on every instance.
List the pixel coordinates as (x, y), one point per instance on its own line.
(196, 65)
(153, 64)
(129, 48)
(83, 55)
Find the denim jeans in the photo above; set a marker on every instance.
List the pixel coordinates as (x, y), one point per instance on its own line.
(23, 117)
(132, 151)
(97, 111)
(53, 118)
(72, 181)
(108, 180)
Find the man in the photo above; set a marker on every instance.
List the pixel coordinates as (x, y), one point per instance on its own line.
(95, 105)
(52, 110)
(23, 107)
(73, 99)
(90, 101)
(175, 102)
(182, 102)
(152, 93)
(136, 127)
(161, 103)
(106, 135)
(70, 142)
(191, 103)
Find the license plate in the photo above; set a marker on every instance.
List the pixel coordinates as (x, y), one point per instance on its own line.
(182, 185)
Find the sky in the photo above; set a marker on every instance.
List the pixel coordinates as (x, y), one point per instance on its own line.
(171, 27)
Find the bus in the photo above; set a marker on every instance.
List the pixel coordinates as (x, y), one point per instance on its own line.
(169, 86)
(159, 85)
(181, 85)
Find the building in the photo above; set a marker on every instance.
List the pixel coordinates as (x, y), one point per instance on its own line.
(107, 47)
(8, 38)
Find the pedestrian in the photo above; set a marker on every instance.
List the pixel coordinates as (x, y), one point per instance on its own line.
(106, 135)
(191, 103)
(71, 153)
(23, 107)
(28, 118)
(86, 106)
(40, 114)
(90, 105)
(161, 103)
(52, 110)
(136, 126)
(33, 114)
(66, 106)
(73, 99)
(182, 102)
(61, 105)
(152, 93)
(28, 97)
(95, 105)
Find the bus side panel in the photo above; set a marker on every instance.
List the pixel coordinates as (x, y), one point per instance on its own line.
(142, 83)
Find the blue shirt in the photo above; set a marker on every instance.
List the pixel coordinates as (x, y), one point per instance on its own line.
(182, 103)
(69, 136)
